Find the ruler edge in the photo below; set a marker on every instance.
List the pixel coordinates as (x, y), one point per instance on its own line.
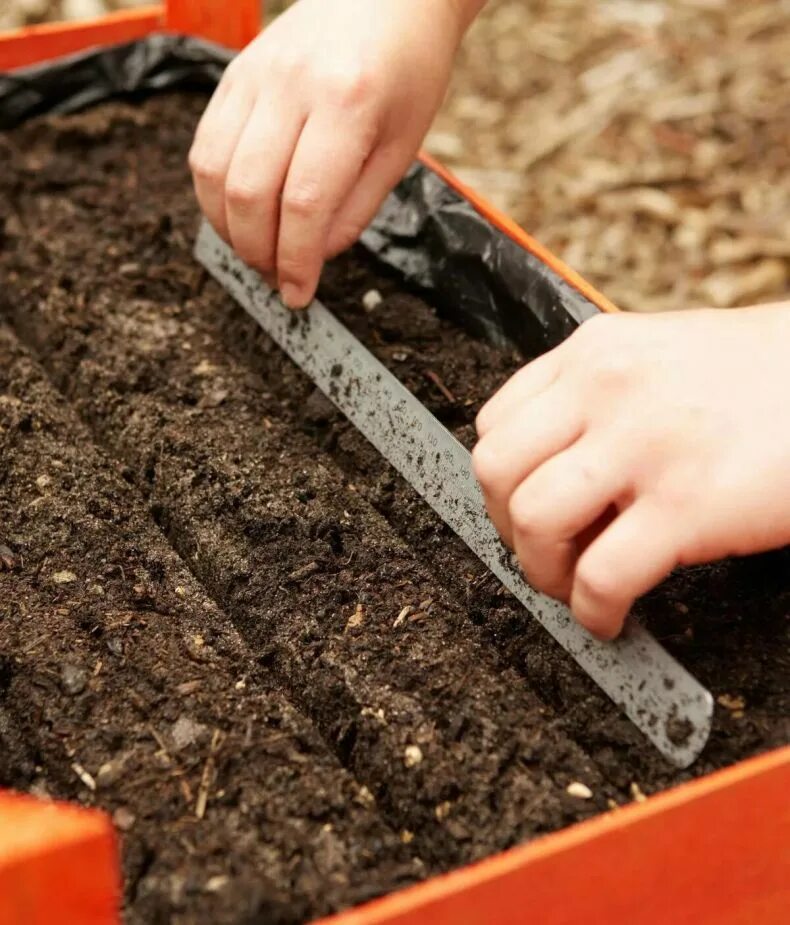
(209, 241)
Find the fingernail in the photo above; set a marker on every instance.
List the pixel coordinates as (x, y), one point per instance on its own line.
(292, 296)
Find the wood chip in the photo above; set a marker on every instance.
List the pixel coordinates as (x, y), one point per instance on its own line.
(732, 703)
(356, 619)
(646, 169)
(442, 811)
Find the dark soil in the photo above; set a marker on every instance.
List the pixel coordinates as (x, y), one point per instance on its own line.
(115, 662)
(366, 637)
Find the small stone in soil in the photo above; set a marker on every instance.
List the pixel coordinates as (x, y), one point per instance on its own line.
(64, 578)
(371, 299)
(186, 732)
(74, 679)
(215, 884)
(123, 819)
(579, 790)
(412, 756)
(111, 771)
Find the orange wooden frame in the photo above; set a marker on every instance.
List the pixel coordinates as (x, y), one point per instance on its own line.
(58, 864)
(233, 24)
(712, 852)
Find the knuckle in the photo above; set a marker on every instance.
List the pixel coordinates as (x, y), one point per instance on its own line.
(611, 371)
(524, 516)
(680, 492)
(595, 584)
(486, 464)
(204, 167)
(242, 193)
(350, 89)
(293, 266)
(302, 199)
(482, 421)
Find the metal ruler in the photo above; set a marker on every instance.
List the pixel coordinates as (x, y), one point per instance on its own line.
(660, 697)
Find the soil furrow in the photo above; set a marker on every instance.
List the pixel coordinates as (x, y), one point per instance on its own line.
(459, 753)
(123, 685)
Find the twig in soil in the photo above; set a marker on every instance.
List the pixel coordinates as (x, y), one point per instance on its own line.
(35, 644)
(434, 378)
(206, 778)
(402, 616)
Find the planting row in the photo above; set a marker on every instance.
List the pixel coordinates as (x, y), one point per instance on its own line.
(122, 684)
(315, 571)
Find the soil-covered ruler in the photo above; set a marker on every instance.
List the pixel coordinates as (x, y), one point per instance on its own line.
(662, 699)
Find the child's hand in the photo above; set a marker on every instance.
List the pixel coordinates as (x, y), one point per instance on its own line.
(315, 122)
(641, 443)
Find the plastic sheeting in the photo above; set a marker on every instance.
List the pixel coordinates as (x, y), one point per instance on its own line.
(425, 230)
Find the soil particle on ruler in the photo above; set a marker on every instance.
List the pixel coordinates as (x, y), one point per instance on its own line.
(122, 685)
(313, 577)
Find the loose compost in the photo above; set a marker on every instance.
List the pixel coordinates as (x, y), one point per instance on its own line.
(224, 618)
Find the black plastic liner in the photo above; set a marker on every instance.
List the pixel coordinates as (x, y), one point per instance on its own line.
(425, 230)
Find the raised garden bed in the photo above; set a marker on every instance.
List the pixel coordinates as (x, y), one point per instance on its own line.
(292, 685)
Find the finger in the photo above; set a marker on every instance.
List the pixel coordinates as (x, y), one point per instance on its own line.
(533, 433)
(212, 152)
(325, 166)
(528, 382)
(630, 557)
(555, 506)
(255, 181)
(382, 171)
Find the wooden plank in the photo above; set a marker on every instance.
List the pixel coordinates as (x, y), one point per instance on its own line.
(715, 851)
(231, 24)
(34, 44)
(58, 864)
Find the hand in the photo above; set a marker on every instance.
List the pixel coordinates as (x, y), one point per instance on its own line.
(642, 443)
(315, 122)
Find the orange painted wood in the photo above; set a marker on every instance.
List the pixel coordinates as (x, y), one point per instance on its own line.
(31, 45)
(233, 24)
(58, 865)
(517, 233)
(712, 852)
